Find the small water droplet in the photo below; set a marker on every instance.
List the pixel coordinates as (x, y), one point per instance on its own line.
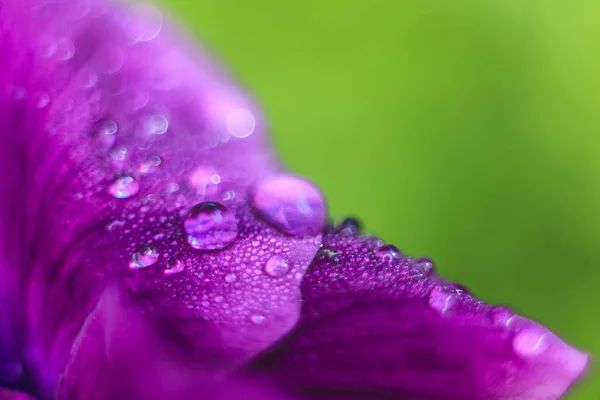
(530, 342)
(501, 316)
(441, 299)
(210, 226)
(290, 203)
(276, 267)
(425, 265)
(144, 256)
(149, 165)
(104, 135)
(205, 181)
(350, 226)
(257, 319)
(387, 252)
(124, 187)
(230, 278)
(157, 124)
(174, 266)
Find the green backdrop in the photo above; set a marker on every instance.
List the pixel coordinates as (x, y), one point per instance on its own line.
(467, 131)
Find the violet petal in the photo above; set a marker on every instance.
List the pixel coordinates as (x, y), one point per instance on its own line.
(376, 326)
(111, 360)
(113, 130)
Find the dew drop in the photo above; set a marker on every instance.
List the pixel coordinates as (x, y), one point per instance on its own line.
(350, 226)
(240, 123)
(205, 180)
(210, 226)
(104, 135)
(174, 266)
(501, 316)
(157, 124)
(257, 319)
(145, 28)
(425, 265)
(124, 187)
(230, 278)
(530, 342)
(290, 203)
(149, 165)
(276, 267)
(387, 252)
(441, 299)
(145, 256)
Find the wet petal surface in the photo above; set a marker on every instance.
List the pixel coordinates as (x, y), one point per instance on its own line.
(377, 324)
(114, 132)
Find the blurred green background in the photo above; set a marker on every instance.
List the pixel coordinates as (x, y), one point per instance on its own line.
(468, 131)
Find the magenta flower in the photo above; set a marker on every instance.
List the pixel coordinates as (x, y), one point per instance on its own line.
(153, 247)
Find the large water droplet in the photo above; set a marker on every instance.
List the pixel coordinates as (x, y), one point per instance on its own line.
(257, 319)
(442, 299)
(230, 278)
(210, 226)
(145, 28)
(387, 252)
(350, 226)
(144, 256)
(276, 267)
(530, 342)
(240, 123)
(124, 187)
(292, 204)
(174, 266)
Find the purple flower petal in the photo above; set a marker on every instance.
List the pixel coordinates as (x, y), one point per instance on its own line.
(111, 360)
(10, 395)
(113, 133)
(377, 324)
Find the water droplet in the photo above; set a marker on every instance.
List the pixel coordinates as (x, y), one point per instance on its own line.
(104, 135)
(387, 252)
(276, 267)
(149, 165)
(147, 26)
(501, 316)
(157, 124)
(292, 204)
(257, 319)
(124, 187)
(441, 299)
(210, 226)
(41, 99)
(240, 123)
(174, 266)
(425, 265)
(65, 49)
(205, 180)
(350, 226)
(530, 342)
(144, 256)
(230, 278)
